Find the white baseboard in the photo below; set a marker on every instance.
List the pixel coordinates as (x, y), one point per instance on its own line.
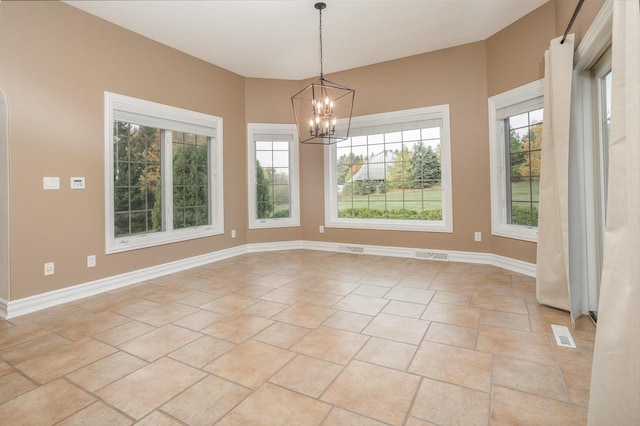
(514, 265)
(15, 308)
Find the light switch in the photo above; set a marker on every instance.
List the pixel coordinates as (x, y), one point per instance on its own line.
(50, 183)
(77, 183)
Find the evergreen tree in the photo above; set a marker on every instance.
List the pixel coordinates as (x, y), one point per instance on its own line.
(190, 184)
(426, 166)
(263, 195)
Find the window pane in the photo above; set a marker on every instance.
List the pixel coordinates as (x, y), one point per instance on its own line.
(523, 160)
(190, 179)
(263, 146)
(520, 120)
(273, 193)
(431, 133)
(137, 179)
(397, 180)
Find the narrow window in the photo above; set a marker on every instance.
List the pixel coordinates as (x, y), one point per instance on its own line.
(523, 138)
(515, 137)
(273, 176)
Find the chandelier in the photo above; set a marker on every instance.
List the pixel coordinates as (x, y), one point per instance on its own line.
(323, 109)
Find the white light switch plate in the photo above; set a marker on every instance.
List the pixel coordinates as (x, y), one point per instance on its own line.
(77, 183)
(50, 183)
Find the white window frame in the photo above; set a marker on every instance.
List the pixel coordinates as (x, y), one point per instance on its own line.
(499, 174)
(589, 64)
(291, 132)
(181, 120)
(331, 194)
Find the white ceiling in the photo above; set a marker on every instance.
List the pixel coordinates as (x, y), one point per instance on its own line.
(279, 39)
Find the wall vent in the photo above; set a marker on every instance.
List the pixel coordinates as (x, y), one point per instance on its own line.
(351, 249)
(430, 255)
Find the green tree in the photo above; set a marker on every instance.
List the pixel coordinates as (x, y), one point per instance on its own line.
(190, 183)
(263, 196)
(400, 173)
(516, 159)
(426, 166)
(136, 177)
(531, 144)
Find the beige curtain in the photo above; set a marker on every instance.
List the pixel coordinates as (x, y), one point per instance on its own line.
(552, 275)
(615, 379)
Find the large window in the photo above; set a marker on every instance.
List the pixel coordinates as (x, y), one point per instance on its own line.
(516, 139)
(393, 172)
(273, 175)
(164, 174)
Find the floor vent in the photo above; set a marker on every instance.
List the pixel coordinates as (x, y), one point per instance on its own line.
(563, 336)
(432, 255)
(351, 249)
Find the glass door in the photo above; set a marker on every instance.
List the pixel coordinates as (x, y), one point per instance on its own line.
(602, 111)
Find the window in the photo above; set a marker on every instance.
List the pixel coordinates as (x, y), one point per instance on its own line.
(273, 176)
(602, 77)
(515, 126)
(393, 172)
(163, 174)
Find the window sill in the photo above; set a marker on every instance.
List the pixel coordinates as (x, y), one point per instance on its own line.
(524, 233)
(391, 225)
(136, 242)
(274, 223)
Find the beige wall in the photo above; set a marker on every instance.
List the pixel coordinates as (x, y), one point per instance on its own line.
(515, 56)
(4, 200)
(453, 76)
(56, 63)
(564, 10)
(269, 101)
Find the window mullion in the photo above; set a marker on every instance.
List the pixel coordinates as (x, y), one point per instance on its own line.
(212, 178)
(167, 180)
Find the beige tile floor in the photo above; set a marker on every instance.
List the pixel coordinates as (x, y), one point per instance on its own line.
(296, 338)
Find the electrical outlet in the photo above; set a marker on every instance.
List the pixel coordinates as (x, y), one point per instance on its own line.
(48, 268)
(233, 233)
(91, 261)
(478, 236)
(321, 229)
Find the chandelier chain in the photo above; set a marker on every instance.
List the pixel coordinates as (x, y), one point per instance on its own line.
(321, 62)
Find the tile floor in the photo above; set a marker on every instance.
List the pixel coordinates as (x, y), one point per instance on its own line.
(296, 338)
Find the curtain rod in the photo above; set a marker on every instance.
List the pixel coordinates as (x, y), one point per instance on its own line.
(573, 18)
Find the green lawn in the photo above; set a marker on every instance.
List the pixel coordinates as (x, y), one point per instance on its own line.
(411, 199)
(522, 191)
(522, 212)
